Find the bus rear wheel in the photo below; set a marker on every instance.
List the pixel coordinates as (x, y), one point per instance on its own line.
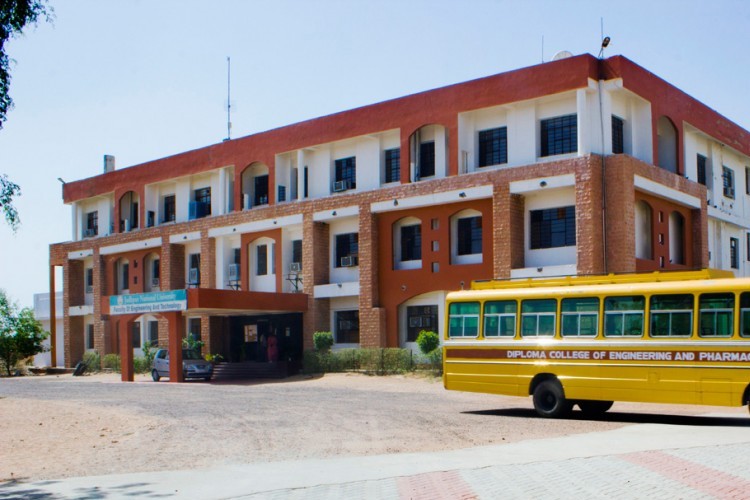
(595, 407)
(549, 400)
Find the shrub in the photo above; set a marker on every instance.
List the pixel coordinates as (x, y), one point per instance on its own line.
(149, 351)
(93, 361)
(112, 362)
(323, 341)
(141, 364)
(375, 361)
(428, 341)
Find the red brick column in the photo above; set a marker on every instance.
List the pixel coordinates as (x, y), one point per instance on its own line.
(620, 215)
(315, 271)
(176, 327)
(371, 317)
(208, 260)
(126, 349)
(589, 231)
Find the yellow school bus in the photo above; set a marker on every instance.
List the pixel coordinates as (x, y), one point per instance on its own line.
(662, 337)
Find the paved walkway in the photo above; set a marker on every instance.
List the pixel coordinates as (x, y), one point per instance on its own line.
(637, 461)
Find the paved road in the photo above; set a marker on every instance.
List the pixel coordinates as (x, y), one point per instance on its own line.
(702, 458)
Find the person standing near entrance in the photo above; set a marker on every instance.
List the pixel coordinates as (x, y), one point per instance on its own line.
(273, 349)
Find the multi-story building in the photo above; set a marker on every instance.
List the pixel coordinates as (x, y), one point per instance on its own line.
(360, 222)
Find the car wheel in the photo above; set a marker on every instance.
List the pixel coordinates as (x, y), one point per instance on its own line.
(549, 400)
(595, 408)
(155, 375)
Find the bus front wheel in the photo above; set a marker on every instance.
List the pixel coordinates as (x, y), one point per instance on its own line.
(595, 407)
(549, 400)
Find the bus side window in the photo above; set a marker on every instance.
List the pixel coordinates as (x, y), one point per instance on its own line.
(623, 316)
(580, 317)
(745, 314)
(538, 317)
(500, 318)
(463, 319)
(671, 315)
(716, 315)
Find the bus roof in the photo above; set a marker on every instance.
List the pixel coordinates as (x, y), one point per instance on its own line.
(712, 281)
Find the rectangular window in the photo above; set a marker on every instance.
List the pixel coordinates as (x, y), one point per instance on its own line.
(671, 315)
(470, 235)
(747, 180)
(393, 165)
(194, 328)
(420, 318)
(745, 314)
(623, 316)
(716, 315)
(559, 135)
(426, 160)
(493, 146)
(553, 227)
(153, 333)
(580, 317)
(92, 223)
(346, 172)
(618, 135)
(126, 276)
(297, 251)
(282, 194)
(90, 336)
(260, 194)
(500, 318)
(156, 269)
(169, 208)
(261, 252)
(194, 269)
(727, 177)
(137, 335)
(411, 242)
(347, 249)
(203, 195)
(463, 319)
(734, 258)
(538, 317)
(701, 167)
(347, 327)
(747, 247)
(90, 280)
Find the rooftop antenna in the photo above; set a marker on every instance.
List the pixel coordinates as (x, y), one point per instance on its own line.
(229, 103)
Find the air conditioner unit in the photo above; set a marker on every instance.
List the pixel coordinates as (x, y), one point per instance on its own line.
(295, 267)
(340, 186)
(234, 272)
(89, 288)
(154, 281)
(348, 261)
(194, 276)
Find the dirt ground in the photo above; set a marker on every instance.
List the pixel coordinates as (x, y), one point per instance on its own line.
(63, 426)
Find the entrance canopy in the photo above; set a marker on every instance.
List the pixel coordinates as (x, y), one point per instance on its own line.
(233, 302)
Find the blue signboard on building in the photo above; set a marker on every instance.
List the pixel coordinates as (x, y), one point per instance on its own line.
(144, 303)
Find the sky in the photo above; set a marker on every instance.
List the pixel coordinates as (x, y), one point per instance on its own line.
(145, 79)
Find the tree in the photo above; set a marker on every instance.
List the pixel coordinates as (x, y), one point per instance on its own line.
(14, 16)
(21, 335)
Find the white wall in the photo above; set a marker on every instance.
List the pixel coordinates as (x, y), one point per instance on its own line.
(267, 282)
(342, 274)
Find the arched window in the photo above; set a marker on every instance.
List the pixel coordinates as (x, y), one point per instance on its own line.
(407, 243)
(643, 231)
(152, 272)
(262, 254)
(122, 276)
(676, 238)
(255, 185)
(129, 203)
(428, 153)
(466, 237)
(667, 147)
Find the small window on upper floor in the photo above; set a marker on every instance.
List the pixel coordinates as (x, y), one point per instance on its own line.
(201, 207)
(466, 237)
(618, 135)
(297, 254)
(170, 211)
(393, 165)
(260, 193)
(559, 135)
(347, 249)
(493, 146)
(701, 168)
(426, 164)
(747, 180)
(727, 176)
(261, 260)
(411, 242)
(552, 227)
(345, 174)
(89, 280)
(92, 224)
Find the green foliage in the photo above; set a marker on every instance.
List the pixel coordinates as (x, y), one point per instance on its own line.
(190, 342)
(141, 364)
(436, 361)
(14, 16)
(21, 335)
(213, 358)
(111, 361)
(323, 341)
(149, 351)
(93, 361)
(372, 361)
(428, 341)
(9, 190)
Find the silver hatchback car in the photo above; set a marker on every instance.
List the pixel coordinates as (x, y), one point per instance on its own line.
(193, 365)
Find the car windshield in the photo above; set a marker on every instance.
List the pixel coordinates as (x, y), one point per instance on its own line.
(190, 354)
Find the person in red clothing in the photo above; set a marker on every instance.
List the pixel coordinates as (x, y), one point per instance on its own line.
(273, 349)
